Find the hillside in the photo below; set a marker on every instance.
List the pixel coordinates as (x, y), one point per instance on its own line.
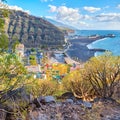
(33, 31)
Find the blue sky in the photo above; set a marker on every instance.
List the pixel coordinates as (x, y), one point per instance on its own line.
(82, 14)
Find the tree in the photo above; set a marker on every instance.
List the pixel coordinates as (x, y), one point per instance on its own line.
(12, 74)
(103, 73)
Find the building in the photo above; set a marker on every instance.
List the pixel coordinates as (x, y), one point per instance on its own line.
(33, 68)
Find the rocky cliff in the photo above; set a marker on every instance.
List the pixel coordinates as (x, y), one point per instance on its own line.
(33, 31)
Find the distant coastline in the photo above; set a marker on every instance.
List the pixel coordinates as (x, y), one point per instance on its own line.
(98, 41)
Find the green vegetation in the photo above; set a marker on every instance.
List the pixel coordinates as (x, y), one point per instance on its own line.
(12, 74)
(4, 42)
(98, 78)
(32, 49)
(75, 83)
(103, 73)
(44, 87)
(32, 59)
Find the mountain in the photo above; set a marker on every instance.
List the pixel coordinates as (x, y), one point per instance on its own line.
(33, 31)
(61, 26)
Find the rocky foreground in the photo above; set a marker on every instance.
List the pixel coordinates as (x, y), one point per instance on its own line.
(23, 107)
(79, 110)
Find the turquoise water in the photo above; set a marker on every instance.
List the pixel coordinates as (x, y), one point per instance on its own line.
(112, 44)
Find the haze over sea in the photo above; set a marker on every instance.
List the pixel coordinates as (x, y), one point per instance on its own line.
(112, 44)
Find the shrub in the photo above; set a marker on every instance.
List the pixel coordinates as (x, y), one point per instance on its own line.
(43, 87)
(103, 73)
(75, 83)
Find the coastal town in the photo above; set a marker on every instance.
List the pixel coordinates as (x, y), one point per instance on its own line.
(40, 63)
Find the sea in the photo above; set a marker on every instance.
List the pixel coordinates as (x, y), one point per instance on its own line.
(111, 44)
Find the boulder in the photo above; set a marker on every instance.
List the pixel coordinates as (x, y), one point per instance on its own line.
(79, 102)
(18, 95)
(17, 98)
(69, 101)
(67, 95)
(43, 100)
(87, 104)
(49, 99)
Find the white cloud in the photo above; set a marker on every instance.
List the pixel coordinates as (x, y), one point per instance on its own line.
(86, 17)
(73, 17)
(13, 8)
(18, 9)
(108, 17)
(65, 13)
(92, 9)
(52, 8)
(70, 16)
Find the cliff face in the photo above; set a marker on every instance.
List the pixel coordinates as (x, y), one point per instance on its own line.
(33, 31)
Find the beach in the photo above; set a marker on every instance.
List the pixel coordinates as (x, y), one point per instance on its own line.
(78, 48)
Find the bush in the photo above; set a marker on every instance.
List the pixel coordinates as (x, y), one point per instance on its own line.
(103, 73)
(75, 83)
(43, 87)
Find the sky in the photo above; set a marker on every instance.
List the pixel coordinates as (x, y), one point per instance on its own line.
(82, 14)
